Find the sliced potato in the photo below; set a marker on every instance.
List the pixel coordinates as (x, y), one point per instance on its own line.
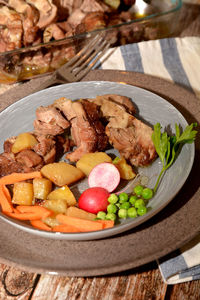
(89, 160)
(63, 193)
(62, 173)
(41, 188)
(23, 193)
(79, 213)
(51, 221)
(58, 206)
(24, 141)
(125, 170)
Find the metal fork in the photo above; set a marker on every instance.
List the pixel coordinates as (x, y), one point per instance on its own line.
(77, 67)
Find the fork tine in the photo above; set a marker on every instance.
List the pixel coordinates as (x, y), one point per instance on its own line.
(82, 73)
(88, 54)
(82, 52)
(103, 47)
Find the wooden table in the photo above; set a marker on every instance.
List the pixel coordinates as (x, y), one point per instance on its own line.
(142, 283)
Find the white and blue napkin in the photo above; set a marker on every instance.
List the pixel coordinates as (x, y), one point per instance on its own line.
(176, 60)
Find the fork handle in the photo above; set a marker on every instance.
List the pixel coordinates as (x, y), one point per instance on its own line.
(46, 83)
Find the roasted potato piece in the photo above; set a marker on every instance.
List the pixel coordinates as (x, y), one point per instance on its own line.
(125, 170)
(62, 173)
(63, 193)
(41, 188)
(79, 213)
(89, 160)
(51, 221)
(24, 141)
(58, 206)
(22, 193)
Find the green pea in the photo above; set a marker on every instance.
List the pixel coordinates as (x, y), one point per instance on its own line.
(111, 208)
(147, 193)
(122, 213)
(142, 210)
(111, 216)
(139, 202)
(125, 205)
(123, 197)
(132, 212)
(101, 215)
(138, 190)
(113, 198)
(132, 199)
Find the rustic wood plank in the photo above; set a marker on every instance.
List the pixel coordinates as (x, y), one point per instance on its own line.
(184, 291)
(15, 283)
(143, 284)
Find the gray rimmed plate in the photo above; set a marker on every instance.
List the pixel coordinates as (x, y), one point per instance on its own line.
(152, 108)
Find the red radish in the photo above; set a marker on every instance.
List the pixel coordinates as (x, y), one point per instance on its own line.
(105, 175)
(94, 200)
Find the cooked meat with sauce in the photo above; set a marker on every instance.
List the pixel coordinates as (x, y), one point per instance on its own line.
(47, 150)
(29, 23)
(133, 142)
(82, 126)
(49, 121)
(87, 132)
(130, 136)
(25, 23)
(95, 119)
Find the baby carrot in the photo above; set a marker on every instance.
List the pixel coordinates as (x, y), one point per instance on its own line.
(16, 177)
(106, 223)
(39, 211)
(39, 224)
(29, 212)
(65, 228)
(5, 199)
(81, 224)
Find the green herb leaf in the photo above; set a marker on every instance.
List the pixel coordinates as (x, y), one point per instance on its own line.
(160, 142)
(188, 134)
(168, 147)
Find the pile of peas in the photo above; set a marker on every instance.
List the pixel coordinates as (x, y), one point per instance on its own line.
(127, 206)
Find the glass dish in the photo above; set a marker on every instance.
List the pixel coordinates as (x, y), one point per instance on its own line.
(150, 20)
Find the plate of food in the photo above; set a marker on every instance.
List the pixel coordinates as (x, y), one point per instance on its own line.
(90, 160)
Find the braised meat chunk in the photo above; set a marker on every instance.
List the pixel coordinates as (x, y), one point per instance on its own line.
(78, 127)
(49, 121)
(9, 165)
(133, 142)
(130, 136)
(45, 151)
(86, 131)
(94, 117)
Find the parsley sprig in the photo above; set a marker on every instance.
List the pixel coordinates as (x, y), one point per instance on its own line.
(168, 147)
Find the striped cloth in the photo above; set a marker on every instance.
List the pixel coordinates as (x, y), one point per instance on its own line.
(176, 60)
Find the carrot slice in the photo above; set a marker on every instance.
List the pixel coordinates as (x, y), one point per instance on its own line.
(39, 211)
(29, 212)
(65, 228)
(39, 224)
(16, 177)
(22, 216)
(81, 224)
(5, 199)
(106, 223)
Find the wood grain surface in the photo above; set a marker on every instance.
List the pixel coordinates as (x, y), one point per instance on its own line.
(142, 283)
